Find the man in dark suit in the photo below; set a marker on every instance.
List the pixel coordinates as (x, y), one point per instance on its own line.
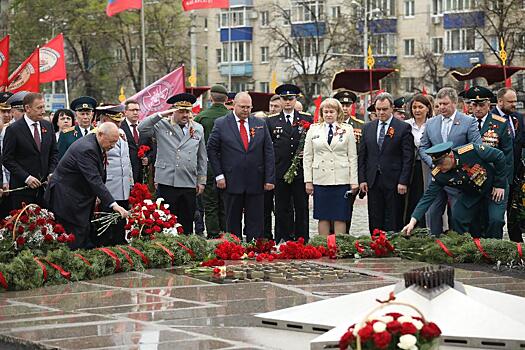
(240, 151)
(135, 140)
(386, 155)
(291, 200)
(77, 182)
(30, 152)
(506, 108)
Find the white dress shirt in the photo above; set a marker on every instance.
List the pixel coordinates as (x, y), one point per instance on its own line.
(417, 131)
(327, 128)
(379, 126)
(32, 128)
(482, 120)
(447, 123)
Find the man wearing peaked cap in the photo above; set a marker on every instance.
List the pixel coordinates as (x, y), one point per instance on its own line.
(478, 171)
(285, 130)
(5, 108)
(84, 107)
(180, 168)
(399, 108)
(212, 198)
(16, 101)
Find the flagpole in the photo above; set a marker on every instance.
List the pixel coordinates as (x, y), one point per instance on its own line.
(143, 35)
(230, 53)
(67, 92)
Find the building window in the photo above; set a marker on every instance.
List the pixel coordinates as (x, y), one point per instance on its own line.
(241, 51)
(287, 52)
(264, 86)
(238, 17)
(307, 11)
(437, 46)
(460, 39)
(336, 11)
(219, 55)
(309, 47)
(387, 7)
(460, 5)
(409, 8)
(313, 88)
(118, 54)
(265, 18)
(409, 84)
(264, 54)
(409, 47)
(437, 7)
(206, 23)
(287, 17)
(384, 44)
(135, 54)
(238, 87)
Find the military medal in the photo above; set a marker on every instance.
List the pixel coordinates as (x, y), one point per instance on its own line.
(477, 174)
(490, 137)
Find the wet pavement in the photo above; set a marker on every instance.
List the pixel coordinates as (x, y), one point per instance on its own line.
(160, 309)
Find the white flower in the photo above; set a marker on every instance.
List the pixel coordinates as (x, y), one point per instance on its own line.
(407, 342)
(386, 319)
(148, 201)
(403, 319)
(357, 328)
(379, 327)
(418, 324)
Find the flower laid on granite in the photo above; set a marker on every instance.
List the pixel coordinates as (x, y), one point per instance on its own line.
(212, 262)
(147, 219)
(32, 227)
(391, 331)
(229, 251)
(261, 245)
(292, 171)
(380, 243)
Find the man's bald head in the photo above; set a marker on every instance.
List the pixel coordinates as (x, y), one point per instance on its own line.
(242, 105)
(107, 135)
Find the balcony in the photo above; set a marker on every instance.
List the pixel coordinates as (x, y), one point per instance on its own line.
(385, 61)
(380, 26)
(237, 34)
(464, 20)
(238, 69)
(462, 59)
(308, 30)
(235, 3)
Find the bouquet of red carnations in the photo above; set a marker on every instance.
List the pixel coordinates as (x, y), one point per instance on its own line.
(31, 227)
(148, 218)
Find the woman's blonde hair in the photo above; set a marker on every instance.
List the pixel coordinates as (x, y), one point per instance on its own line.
(332, 103)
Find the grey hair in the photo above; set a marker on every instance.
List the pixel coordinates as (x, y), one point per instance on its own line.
(242, 94)
(385, 96)
(448, 92)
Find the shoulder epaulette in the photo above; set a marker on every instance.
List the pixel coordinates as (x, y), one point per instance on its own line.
(273, 115)
(435, 171)
(71, 128)
(304, 113)
(499, 118)
(466, 148)
(357, 119)
(93, 131)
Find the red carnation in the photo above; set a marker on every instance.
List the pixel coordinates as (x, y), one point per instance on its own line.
(20, 241)
(156, 228)
(20, 229)
(394, 327)
(71, 238)
(216, 271)
(48, 237)
(40, 221)
(382, 339)
(395, 315)
(38, 210)
(58, 229)
(345, 340)
(408, 328)
(43, 230)
(135, 233)
(366, 332)
(62, 238)
(180, 229)
(24, 219)
(430, 331)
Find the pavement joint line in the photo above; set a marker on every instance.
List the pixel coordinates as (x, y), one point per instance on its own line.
(360, 271)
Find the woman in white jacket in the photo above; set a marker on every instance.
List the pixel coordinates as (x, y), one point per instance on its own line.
(330, 166)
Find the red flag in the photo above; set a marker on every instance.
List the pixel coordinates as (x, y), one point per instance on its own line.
(197, 106)
(52, 62)
(189, 5)
(352, 111)
(4, 62)
(117, 6)
(508, 82)
(27, 75)
(153, 98)
(317, 103)
(424, 91)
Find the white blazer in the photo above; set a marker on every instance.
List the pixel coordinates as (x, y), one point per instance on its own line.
(334, 164)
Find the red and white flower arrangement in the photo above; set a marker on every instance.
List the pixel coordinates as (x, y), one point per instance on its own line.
(33, 227)
(148, 218)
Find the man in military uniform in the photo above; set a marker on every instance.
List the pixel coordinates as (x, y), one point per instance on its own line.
(347, 98)
(16, 101)
(83, 107)
(399, 108)
(285, 130)
(212, 197)
(5, 108)
(479, 172)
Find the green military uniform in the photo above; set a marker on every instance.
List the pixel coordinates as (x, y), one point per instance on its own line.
(478, 169)
(357, 124)
(495, 133)
(212, 199)
(70, 135)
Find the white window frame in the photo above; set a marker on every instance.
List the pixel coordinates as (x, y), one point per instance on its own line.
(434, 46)
(308, 11)
(310, 46)
(238, 17)
(265, 54)
(459, 5)
(409, 84)
(437, 7)
(409, 47)
(409, 8)
(218, 53)
(384, 44)
(265, 19)
(264, 86)
(463, 40)
(287, 52)
(336, 11)
(387, 7)
(241, 52)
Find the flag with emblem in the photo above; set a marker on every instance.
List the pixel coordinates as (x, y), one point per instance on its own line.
(4, 62)
(27, 75)
(189, 5)
(117, 6)
(152, 99)
(52, 62)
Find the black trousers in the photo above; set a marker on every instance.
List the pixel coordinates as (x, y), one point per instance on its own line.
(351, 201)
(115, 234)
(181, 202)
(291, 223)
(83, 234)
(385, 206)
(415, 192)
(253, 207)
(268, 209)
(514, 230)
(26, 197)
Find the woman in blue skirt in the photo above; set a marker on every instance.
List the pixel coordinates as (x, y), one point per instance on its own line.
(330, 166)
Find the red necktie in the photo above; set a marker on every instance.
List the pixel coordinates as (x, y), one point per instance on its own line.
(36, 136)
(135, 133)
(244, 134)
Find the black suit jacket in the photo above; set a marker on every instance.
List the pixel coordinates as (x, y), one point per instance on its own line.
(245, 171)
(136, 163)
(77, 181)
(285, 140)
(395, 158)
(21, 156)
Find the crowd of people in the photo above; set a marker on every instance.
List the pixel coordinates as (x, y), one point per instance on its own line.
(420, 162)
